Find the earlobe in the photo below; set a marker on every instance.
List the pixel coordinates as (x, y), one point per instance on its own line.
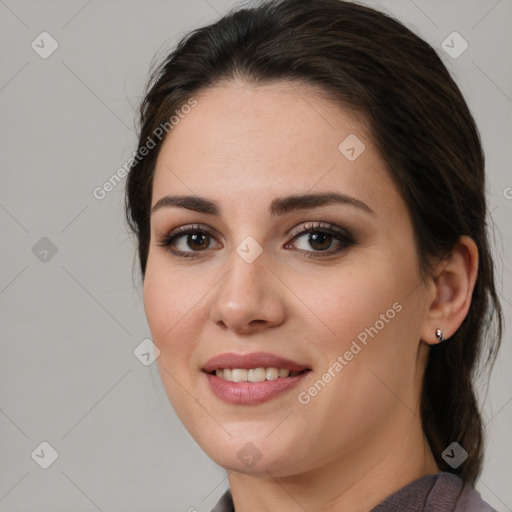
(452, 286)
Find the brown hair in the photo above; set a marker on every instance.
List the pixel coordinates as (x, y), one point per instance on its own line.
(370, 63)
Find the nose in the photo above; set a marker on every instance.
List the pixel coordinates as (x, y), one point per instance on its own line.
(249, 297)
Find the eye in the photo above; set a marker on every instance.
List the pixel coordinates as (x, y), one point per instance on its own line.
(321, 237)
(192, 237)
(188, 241)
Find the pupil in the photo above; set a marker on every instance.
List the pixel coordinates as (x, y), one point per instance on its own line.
(195, 237)
(315, 237)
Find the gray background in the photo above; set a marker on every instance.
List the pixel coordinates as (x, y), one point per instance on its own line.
(71, 320)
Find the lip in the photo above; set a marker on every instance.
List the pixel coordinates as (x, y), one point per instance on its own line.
(251, 393)
(252, 360)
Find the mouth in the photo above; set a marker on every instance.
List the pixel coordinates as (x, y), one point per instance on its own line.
(250, 379)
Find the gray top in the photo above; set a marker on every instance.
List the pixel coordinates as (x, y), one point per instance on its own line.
(440, 492)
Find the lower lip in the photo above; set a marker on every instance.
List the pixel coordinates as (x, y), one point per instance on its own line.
(251, 393)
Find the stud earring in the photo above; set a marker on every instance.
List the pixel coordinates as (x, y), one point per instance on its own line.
(439, 335)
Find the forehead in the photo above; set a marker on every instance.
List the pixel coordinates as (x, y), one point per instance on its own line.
(250, 143)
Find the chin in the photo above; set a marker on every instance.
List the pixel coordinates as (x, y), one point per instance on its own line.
(257, 457)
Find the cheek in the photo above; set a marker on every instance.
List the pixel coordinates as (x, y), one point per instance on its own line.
(166, 301)
(363, 340)
(345, 304)
(157, 300)
(169, 312)
(370, 319)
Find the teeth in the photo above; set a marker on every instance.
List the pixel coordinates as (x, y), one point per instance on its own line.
(239, 375)
(253, 375)
(272, 373)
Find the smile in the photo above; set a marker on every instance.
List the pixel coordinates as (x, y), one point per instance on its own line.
(252, 378)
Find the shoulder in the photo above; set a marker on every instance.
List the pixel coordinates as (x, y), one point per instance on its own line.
(450, 492)
(439, 492)
(470, 500)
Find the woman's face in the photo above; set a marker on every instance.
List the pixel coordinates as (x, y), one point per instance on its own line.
(343, 301)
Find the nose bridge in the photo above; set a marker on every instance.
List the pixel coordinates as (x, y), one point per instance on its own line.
(246, 279)
(246, 293)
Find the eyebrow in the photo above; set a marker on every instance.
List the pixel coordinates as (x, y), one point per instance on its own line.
(279, 206)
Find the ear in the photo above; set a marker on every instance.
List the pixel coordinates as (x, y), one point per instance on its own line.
(451, 288)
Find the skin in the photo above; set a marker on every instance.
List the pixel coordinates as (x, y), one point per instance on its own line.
(359, 439)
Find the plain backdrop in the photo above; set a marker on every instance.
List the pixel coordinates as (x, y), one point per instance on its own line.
(71, 310)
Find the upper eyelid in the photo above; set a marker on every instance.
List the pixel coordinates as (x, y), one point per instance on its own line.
(306, 226)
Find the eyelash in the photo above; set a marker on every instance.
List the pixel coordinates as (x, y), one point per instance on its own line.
(343, 236)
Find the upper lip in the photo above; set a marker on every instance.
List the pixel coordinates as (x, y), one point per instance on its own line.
(252, 360)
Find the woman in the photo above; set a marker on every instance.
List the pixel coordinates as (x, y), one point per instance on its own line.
(310, 209)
